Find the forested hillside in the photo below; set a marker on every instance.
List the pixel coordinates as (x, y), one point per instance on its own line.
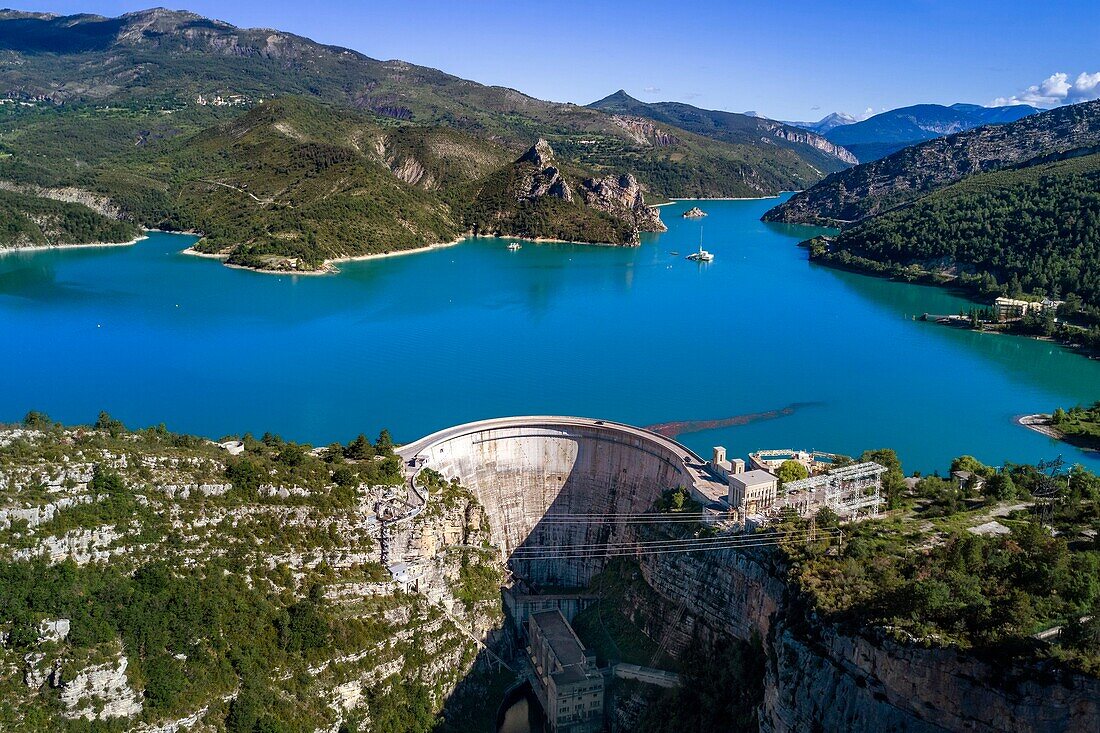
(1033, 229)
(285, 153)
(33, 221)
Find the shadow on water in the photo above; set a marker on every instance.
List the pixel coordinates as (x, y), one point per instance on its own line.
(520, 712)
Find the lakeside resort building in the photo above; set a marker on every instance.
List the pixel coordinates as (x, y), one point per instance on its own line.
(1012, 309)
(853, 491)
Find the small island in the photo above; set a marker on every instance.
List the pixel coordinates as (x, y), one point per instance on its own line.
(694, 213)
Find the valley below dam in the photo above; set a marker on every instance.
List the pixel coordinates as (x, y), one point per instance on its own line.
(834, 361)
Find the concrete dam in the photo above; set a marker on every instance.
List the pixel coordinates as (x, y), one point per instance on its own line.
(535, 476)
(525, 471)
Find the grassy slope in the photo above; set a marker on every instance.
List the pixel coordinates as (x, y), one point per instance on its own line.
(307, 182)
(320, 174)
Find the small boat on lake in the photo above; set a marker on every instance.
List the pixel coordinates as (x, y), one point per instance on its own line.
(514, 246)
(702, 255)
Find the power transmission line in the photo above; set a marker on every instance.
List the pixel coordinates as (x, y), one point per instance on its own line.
(777, 536)
(639, 549)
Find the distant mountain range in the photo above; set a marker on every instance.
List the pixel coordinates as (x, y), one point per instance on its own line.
(891, 131)
(826, 123)
(1002, 208)
(731, 127)
(135, 115)
(888, 132)
(873, 188)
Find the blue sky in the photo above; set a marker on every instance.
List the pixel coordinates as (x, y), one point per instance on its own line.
(787, 60)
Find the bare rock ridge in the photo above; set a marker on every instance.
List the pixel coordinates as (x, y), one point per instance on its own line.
(544, 178)
(805, 137)
(622, 197)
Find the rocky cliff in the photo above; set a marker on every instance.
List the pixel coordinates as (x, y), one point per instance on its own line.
(170, 518)
(622, 198)
(539, 197)
(825, 678)
(805, 137)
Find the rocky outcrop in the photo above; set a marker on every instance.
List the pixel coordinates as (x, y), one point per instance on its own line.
(71, 195)
(805, 137)
(99, 692)
(821, 677)
(544, 178)
(694, 213)
(645, 132)
(537, 197)
(622, 197)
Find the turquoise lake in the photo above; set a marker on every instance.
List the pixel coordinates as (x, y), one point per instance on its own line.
(423, 341)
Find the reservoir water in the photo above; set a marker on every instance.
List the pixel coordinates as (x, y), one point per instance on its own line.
(423, 341)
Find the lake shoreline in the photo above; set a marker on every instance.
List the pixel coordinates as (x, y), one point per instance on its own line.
(1040, 422)
(329, 265)
(953, 286)
(86, 245)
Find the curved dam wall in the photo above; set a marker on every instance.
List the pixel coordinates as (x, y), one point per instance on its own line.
(523, 470)
(819, 676)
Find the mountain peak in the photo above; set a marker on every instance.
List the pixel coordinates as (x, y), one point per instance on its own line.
(619, 99)
(540, 154)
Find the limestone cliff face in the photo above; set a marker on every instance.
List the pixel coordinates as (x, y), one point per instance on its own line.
(541, 176)
(622, 197)
(645, 132)
(538, 197)
(823, 678)
(805, 137)
(819, 676)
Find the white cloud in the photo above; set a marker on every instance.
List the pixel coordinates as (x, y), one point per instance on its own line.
(1055, 90)
(651, 90)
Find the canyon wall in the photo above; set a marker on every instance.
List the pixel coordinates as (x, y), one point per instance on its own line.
(819, 677)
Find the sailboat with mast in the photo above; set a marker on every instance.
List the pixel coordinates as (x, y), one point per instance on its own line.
(702, 255)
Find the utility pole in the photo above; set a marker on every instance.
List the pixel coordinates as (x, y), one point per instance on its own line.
(1046, 493)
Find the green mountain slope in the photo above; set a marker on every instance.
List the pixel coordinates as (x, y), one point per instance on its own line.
(1035, 228)
(27, 220)
(875, 187)
(733, 128)
(176, 60)
(294, 182)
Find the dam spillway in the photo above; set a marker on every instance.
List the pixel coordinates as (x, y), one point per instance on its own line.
(526, 470)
